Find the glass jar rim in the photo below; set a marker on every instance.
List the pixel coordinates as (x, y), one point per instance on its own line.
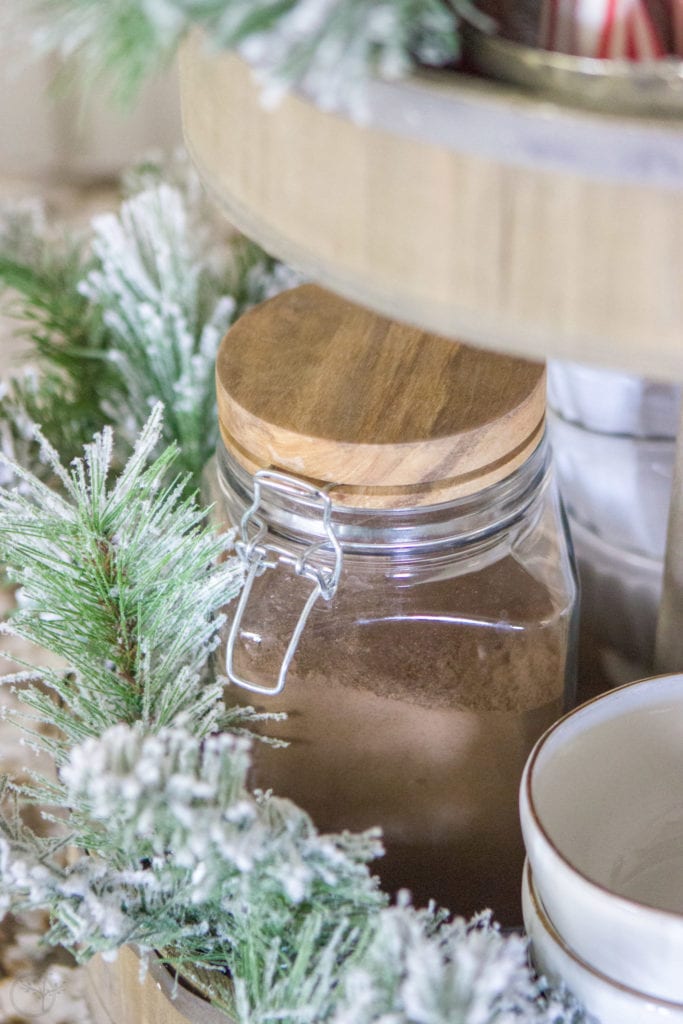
(459, 522)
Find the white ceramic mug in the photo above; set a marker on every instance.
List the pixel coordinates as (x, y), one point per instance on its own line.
(609, 1001)
(601, 805)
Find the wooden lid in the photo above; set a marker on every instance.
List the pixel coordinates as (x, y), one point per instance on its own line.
(392, 416)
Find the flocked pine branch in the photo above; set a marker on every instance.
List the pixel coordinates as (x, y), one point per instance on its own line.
(151, 284)
(168, 290)
(124, 316)
(241, 268)
(238, 891)
(419, 966)
(121, 579)
(41, 267)
(329, 47)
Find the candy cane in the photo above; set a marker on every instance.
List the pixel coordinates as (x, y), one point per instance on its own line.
(603, 28)
(677, 26)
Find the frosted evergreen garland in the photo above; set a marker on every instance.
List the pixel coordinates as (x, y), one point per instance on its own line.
(41, 267)
(419, 967)
(126, 315)
(327, 47)
(122, 579)
(151, 283)
(169, 287)
(183, 859)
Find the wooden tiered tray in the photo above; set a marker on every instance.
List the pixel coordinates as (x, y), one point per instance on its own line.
(116, 994)
(469, 208)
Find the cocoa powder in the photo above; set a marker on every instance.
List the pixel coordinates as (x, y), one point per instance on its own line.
(412, 704)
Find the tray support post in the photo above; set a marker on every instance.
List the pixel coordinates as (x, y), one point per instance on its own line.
(669, 643)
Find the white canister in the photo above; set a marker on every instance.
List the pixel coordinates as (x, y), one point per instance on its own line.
(613, 403)
(616, 486)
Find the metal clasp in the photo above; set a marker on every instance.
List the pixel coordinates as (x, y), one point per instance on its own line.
(258, 554)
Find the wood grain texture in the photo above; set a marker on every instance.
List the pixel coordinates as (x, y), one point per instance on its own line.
(313, 384)
(115, 995)
(463, 207)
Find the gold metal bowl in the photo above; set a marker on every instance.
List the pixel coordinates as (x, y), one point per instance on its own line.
(645, 88)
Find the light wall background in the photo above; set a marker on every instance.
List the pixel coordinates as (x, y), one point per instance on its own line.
(70, 151)
(77, 139)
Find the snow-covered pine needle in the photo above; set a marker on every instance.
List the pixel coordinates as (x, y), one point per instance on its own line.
(329, 47)
(122, 579)
(183, 859)
(126, 315)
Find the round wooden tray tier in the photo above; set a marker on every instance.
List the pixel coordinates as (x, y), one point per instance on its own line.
(468, 208)
(116, 994)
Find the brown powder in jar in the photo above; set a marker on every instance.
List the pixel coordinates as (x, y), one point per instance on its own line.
(413, 706)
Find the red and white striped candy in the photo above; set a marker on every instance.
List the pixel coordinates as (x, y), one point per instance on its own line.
(677, 25)
(607, 29)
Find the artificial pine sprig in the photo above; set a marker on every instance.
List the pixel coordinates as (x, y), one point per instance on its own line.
(419, 966)
(123, 316)
(182, 858)
(168, 289)
(329, 47)
(121, 580)
(244, 898)
(151, 284)
(41, 267)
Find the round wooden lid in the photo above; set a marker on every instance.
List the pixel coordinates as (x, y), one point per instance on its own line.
(392, 416)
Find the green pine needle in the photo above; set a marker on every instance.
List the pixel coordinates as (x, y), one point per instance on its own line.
(120, 578)
(124, 316)
(330, 47)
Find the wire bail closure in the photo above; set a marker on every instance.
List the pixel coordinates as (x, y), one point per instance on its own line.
(258, 554)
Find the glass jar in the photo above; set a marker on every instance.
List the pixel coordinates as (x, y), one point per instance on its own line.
(418, 652)
(614, 441)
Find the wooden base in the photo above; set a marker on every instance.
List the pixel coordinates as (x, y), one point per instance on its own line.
(115, 995)
(465, 207)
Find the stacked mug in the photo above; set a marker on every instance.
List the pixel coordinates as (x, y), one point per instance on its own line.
(601, 806)
(613, 437)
